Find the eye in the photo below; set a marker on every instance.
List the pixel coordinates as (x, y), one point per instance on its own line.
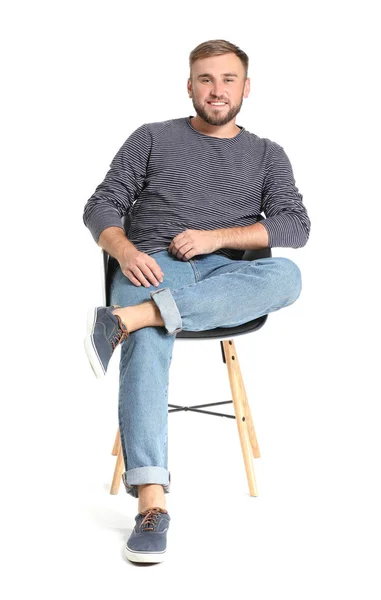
(207, 79)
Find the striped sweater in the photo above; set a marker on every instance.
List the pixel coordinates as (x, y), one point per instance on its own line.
(168, 177)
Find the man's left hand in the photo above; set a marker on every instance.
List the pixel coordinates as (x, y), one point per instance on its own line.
(192, 242)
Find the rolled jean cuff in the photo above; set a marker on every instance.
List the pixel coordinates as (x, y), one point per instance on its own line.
(144, 475)
(168, 309)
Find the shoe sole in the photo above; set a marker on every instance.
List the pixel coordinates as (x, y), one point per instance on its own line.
(143, 557)
(90, 348)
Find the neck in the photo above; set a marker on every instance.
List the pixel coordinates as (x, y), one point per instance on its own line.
(228, 130)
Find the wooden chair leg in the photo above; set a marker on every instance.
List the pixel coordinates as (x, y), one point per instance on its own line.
(246, 431)
(116, 446)
(119, 467)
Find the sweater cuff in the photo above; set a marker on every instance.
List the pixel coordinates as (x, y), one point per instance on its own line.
(284, 232)
(100, 220)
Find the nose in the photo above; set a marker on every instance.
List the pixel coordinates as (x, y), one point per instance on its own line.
(218, 90)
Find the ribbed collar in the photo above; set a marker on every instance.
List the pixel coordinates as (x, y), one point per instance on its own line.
(188, 120)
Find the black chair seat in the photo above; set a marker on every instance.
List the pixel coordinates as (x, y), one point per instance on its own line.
(224, 332)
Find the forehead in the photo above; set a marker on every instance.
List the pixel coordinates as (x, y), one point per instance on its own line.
(217, 65)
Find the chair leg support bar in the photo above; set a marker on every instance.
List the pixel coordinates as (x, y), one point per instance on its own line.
(248, 439)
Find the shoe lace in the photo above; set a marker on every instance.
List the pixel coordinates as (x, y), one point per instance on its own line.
(150, 520)
(120, 335)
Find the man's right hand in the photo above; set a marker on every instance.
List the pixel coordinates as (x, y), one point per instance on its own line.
(140, 268)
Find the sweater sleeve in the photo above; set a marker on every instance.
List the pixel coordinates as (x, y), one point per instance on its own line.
(287, 221)
(114, 197)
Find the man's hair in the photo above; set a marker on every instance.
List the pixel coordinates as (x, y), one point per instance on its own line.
(214, 48)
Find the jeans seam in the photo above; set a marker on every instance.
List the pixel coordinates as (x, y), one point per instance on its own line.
(196, 272)
(121, 435)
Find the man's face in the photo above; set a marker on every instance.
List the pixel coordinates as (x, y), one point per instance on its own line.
(218, 78)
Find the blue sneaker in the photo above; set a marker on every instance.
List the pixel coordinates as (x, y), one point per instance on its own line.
(104, 332)
(148, 540)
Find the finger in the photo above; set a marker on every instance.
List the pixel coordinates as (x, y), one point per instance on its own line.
(139, 276)
(158, 273)
(156, 270)
(175, 242)
(179, 246)
(132, 278)
(189, 254)
(148, 273)
(183, 250)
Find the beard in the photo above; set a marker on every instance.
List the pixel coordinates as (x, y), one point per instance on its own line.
(218, 117)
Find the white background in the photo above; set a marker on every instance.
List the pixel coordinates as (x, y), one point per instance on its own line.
(78, 78)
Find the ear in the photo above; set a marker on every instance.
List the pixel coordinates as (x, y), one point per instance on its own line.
(189, 87)
(246, 89)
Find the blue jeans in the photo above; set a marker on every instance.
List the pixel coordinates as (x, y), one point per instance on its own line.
(203, 293)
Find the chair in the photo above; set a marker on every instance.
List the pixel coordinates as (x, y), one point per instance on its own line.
(246, 431)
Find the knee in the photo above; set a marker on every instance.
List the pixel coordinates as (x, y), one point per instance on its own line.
(147, 337)
(291, 279)
(148, 344)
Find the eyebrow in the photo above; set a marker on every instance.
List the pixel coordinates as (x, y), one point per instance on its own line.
(225, 74)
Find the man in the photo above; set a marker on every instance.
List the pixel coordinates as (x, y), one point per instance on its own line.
(193, 189)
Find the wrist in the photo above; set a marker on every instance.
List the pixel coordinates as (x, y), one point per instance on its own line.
(218, 238)
(124, 250)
